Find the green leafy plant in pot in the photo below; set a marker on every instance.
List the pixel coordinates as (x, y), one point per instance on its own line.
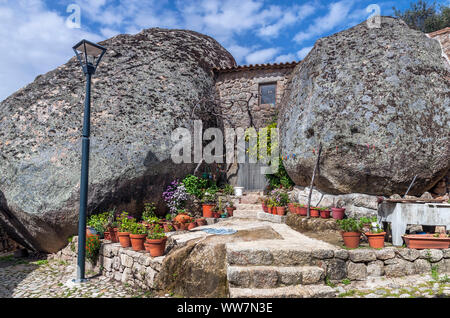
(125, 223)
(156, 240)
(351, 232)
(375, 235)
(138, 233)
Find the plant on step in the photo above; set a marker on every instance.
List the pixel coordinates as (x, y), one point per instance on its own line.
(156, 233)
(125, 222)
(195, 185)
(351, 231)
(280, 197)
(100, 222)
(137, 228)
(228, 189)
(175, 196)
(92, 248)
(149, 211)
(209, 197)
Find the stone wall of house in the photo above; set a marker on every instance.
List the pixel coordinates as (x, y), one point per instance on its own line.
(443, 36)
(238, 94)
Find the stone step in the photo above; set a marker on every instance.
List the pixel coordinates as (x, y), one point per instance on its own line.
(273, 276)
(249, 206)
(251, 198)
(246, 214)
(263, 216)
(270, 254)
(299, 291)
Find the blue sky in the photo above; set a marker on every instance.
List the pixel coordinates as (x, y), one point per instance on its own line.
(35, 36)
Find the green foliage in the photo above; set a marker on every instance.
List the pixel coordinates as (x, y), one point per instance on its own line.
(346, 281)
(228, 189)
(425, 16)
(125, 222)
(350, 225)
(279, 197)
(209, 196)
(149, 211)
(92, 248)
(156, 233)
(195, 185)
(435, 272)
(168, 217)
(101, 222)
(137, 228)
(263, 150)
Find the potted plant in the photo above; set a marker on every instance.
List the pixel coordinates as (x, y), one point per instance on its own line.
(155, 243)
(218, 209)
(138, 233)
(338, 213)
(291, 207)
(426, 241)
(201, 222)
(300, 209)
(324, 213)
(182, 217)
(124, 224)
(208, 204)
(376, 236)
(230, 208)
(281, 199)
(314, 212)
(351, 232)
(264, 204)
(270, 206)
(191, 224)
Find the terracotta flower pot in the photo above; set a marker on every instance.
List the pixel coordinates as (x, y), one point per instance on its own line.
(301, 211)
(230, 211)
(107, 235)
(423, 241)
(265, 208)
(338, 213)
(281, 210)
(137, 241)
(351, 239)
(376, 240)
(113, 235)
(208, 210)
(180, 226)
(201, 222)
(124, 239)
(182, 218)
(166, 227)
(314, 213)
(156, 247)
(291, 208)
(325, 214)
(192, 225)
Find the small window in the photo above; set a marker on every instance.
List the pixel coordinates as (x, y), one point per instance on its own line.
(268, 94)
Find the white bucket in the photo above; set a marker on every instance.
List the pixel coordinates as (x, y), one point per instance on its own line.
(238, 191)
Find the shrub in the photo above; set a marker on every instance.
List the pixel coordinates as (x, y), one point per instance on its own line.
(350, 225)
(195, 185)
(92, 248)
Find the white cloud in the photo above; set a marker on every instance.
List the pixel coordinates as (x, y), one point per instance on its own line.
(285, 58)
(303, 52)
(34, 40)
(337, 14)
(262, 56)
(289, 17)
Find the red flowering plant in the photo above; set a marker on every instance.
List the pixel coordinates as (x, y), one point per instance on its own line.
(92, 248)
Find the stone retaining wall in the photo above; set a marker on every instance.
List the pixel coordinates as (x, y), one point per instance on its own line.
(122, 264)
(361, 263)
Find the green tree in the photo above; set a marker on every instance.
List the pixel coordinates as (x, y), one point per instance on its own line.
(425, 17)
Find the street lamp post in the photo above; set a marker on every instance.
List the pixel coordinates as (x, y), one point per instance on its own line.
(89, 55)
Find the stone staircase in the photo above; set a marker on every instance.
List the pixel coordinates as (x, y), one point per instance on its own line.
(275, 268)
(249, 207)
(272, 268)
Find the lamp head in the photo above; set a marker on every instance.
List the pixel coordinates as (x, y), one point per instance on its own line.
(89, 55)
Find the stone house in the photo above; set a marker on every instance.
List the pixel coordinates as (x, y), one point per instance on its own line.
(248, 97)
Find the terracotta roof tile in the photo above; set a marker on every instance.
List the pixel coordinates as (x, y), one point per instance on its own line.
(256, 67)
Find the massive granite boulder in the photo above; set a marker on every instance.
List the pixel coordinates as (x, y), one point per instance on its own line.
(146, 86)
(378, 99)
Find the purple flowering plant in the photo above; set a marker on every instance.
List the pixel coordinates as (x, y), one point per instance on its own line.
(175, 196)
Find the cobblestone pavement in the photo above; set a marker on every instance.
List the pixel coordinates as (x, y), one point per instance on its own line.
(415, 286)
(21, 278)
(41, 278)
